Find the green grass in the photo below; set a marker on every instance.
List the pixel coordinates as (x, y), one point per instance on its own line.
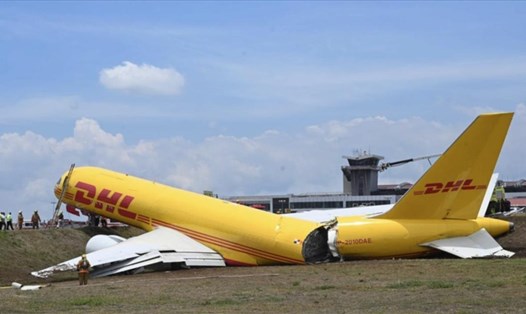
(91, 301)
(405, 284)
(397, 286)
(221, 302)
(37, 249)
(439, 284)
(376, 286)
(325, 287)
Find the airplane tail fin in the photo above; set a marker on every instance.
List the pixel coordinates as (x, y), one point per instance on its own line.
(455, 185)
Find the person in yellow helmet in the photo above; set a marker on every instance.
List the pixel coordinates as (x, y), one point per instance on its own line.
(83, 266)
(9, 221)
(20, 220)
(35, 220)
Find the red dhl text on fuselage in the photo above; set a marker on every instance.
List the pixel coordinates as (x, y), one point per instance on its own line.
(146, 204)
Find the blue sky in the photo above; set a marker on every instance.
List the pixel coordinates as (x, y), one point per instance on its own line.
(249, 97)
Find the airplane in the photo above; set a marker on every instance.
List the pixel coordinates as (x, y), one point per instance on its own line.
(441, 212)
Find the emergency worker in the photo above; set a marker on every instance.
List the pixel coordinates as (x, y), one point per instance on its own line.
(83, 268)
(20, 220)
(35, 220)
(60, 220)
(9, 221)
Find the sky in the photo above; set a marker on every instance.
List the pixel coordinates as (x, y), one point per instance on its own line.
(249, 98)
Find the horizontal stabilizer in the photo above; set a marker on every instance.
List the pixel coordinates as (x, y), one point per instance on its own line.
(478, 244)
(161, 245)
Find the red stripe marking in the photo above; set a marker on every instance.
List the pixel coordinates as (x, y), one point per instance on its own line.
(231, 262)
(228, 244)
(213, 240)
(67, 195)
(143, 220)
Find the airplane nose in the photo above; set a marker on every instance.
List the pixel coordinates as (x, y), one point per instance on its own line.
(58, 187)
(512, 227)
(57, 191)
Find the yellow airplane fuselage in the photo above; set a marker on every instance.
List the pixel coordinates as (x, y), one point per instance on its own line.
(247, 236)
(242, 235)
(359, 238)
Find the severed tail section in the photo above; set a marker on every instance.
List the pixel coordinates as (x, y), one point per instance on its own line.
(455, 186)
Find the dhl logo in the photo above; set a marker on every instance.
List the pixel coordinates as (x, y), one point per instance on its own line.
(105, 200)
(450, 186)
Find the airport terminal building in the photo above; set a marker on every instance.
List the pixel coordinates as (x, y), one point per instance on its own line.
(360, 188)
(302, 202)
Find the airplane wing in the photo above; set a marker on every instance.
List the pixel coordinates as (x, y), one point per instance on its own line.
(161, 245)
(478, 244)
(322, 215)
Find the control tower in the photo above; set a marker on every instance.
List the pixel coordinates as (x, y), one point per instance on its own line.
(360, 177)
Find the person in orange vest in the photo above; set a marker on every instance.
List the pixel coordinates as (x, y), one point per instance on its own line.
(83, 268)
(20, 220)
(35, 219)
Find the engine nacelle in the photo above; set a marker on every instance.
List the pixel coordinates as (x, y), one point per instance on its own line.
(102, 241)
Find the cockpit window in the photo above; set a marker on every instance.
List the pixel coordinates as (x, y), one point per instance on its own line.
(59, 179)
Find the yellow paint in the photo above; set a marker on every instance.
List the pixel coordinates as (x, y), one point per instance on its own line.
(469, 163)
(241, 234)
(444, 203)
(382, 238)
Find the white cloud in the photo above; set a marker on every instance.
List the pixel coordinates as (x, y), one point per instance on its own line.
(143, 78)
(88, 131)
(273, 162)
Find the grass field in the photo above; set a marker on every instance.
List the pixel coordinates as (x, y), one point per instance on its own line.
(389, 286)
(439, 285)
